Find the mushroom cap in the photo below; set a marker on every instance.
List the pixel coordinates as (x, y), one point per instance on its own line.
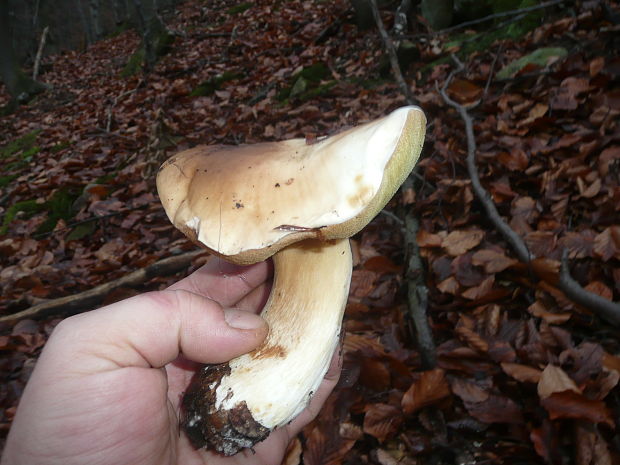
(247, 202)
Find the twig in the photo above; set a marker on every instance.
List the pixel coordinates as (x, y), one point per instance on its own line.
(37, 60)
(501, 14)
(604, 308)
(512, 237)
(108, 125)
(391, 51)
(492, 70)
(417, 292)
(72, 304)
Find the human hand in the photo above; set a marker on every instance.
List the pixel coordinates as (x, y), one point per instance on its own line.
(108, 385)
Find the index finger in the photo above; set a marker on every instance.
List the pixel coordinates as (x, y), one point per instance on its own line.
(225, 282)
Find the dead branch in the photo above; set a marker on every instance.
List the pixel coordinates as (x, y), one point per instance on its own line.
(501, 14)
(37, 60)
(509, 234)
(602, 307)
(391, 51)
(76, 303)
(417, 292)
(606, 309)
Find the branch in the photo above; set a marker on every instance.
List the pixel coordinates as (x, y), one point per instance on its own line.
(417, 294)
(37, 60)
(72, 304)
(511, 236)
(391, 51)
(501, 14)
(604, 308)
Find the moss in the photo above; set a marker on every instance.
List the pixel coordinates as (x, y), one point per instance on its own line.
(240, 8)
(82, 230)
(306, 83)
(60, 146)
(134, 64)
(25, 142)
(30, 207)
(59, 206)
(5, 180)
(209, 86)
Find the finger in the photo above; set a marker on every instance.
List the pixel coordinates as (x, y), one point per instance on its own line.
(153, 329)
(256, 299)
(225, 282)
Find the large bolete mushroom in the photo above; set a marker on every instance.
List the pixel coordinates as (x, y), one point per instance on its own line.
(299, 203)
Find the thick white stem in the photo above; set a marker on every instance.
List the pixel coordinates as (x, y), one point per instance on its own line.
(236, 405)
(304, 313)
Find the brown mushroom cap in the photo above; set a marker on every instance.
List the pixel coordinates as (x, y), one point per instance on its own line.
(248, 202)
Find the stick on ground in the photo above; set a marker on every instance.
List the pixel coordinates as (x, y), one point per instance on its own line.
(76, 303)
(607, 310)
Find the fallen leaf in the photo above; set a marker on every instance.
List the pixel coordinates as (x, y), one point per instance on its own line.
(570, 404)
(523, 373)
(458, 242)
(492, 261)
(554, 379)
(607, 243)
(429, 388)
(382, 420)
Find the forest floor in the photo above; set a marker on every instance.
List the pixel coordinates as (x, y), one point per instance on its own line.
(519, 372)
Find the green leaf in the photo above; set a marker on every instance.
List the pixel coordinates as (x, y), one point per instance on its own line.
(539, 58)
(81, 231)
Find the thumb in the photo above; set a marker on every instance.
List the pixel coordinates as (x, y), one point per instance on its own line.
(153, 329)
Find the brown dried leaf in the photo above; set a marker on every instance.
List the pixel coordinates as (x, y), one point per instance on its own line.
(458, 242)
(554, 379)
(599, 288)
(468, 391)
(464, 91)
(429, 388)
(523, 373)
(478, 292)
(496, 409)
(293, 453)
(538, 310)
(570, 404)
(449, 286)
(382, 420)
(607, 243)
(591, 448)
(492, 261)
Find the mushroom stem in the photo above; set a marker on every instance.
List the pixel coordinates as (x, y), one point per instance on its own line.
(235, 405)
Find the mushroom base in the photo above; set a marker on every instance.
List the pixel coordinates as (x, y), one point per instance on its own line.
(225, 431)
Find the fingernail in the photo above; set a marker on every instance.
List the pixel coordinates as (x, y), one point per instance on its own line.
(242, 320)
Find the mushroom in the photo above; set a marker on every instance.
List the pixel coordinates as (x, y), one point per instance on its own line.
(299, 203)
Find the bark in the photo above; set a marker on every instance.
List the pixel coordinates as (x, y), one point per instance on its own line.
(18, 84)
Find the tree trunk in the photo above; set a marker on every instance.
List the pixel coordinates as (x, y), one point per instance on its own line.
(18, 84)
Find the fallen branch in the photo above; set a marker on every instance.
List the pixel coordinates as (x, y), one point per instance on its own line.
(602, 307)
(509, 234)
(391, 51)
(606, 309)
(501, 14)
(76, 303)
(417, 292)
